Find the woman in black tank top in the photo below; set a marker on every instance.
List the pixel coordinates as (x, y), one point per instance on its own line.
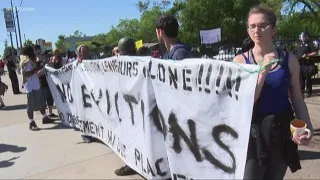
(271, 147)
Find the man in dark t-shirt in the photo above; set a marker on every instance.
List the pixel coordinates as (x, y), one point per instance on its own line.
(305, 50)
(47, 96)
(167, 28)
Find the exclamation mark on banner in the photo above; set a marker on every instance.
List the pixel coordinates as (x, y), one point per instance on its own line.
(200, 77)
(221, 69)
(142, 110)
(208, 79)
(229, 83)
(238, 82)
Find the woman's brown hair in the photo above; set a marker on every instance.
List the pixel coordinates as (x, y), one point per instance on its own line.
(269, 13)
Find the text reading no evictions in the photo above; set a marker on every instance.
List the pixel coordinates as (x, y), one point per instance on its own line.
(88, 97)
(199, 153)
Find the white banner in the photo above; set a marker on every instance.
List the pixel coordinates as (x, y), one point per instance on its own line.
(193, 115)
(115, 104)
(206, 107)
(210, 36)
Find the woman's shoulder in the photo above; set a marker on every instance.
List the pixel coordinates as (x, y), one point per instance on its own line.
(240, 58)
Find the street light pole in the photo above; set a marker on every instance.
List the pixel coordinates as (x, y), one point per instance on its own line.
(15, 29)
(18, 27)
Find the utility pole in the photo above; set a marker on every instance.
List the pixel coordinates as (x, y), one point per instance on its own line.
(19, 27)
(15, 29)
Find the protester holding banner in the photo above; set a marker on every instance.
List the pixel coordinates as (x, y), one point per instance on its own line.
(271, 149)
(47, 96)
(127, 47)
(167, 28)
(115, 51)
(56, 60)
(35, 102)
(82, 52)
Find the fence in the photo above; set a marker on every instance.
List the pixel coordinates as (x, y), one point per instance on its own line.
(227, 50)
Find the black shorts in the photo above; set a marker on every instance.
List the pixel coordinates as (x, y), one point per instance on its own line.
(47, 96)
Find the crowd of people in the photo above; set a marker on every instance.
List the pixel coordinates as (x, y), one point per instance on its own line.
(273, 107)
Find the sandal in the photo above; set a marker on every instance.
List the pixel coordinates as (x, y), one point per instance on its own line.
(33, 126)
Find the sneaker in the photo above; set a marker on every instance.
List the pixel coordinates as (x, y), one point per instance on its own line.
(52, 115)
(125, 171)
(47, 120)
(33, 126)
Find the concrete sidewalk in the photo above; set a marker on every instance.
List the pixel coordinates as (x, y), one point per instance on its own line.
(56, 152)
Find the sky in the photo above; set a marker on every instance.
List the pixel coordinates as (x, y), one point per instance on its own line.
(47, 19)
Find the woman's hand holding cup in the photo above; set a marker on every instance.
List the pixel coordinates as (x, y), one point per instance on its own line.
(300, 133)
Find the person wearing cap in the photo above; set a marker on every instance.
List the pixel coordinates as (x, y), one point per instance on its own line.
(127, 47)
(305, 50)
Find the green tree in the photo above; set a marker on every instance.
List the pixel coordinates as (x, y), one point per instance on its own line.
(5, 43)
(60, 44)
(9, 51)
(147, 24)
(230, 16)
(113, 36)
(77, 33)
(28, 42)
(129, 28)
(312, 6)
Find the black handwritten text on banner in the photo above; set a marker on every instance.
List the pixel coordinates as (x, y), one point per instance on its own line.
(151, 112)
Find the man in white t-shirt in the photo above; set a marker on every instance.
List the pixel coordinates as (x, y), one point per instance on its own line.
(35, 100)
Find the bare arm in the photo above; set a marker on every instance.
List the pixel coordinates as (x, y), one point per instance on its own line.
(40, 72)
(300, 107)
(261, 77)
(312, 54)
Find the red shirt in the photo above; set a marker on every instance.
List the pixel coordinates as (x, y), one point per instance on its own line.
(1, 64)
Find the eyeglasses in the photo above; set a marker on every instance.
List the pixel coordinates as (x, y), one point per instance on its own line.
(261, 27)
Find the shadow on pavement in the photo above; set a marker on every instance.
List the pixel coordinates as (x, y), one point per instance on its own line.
(14, 107)
(10, 148)
(7, 163)
(309, 155)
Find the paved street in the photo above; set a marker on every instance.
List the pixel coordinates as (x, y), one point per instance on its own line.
(55, 152)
